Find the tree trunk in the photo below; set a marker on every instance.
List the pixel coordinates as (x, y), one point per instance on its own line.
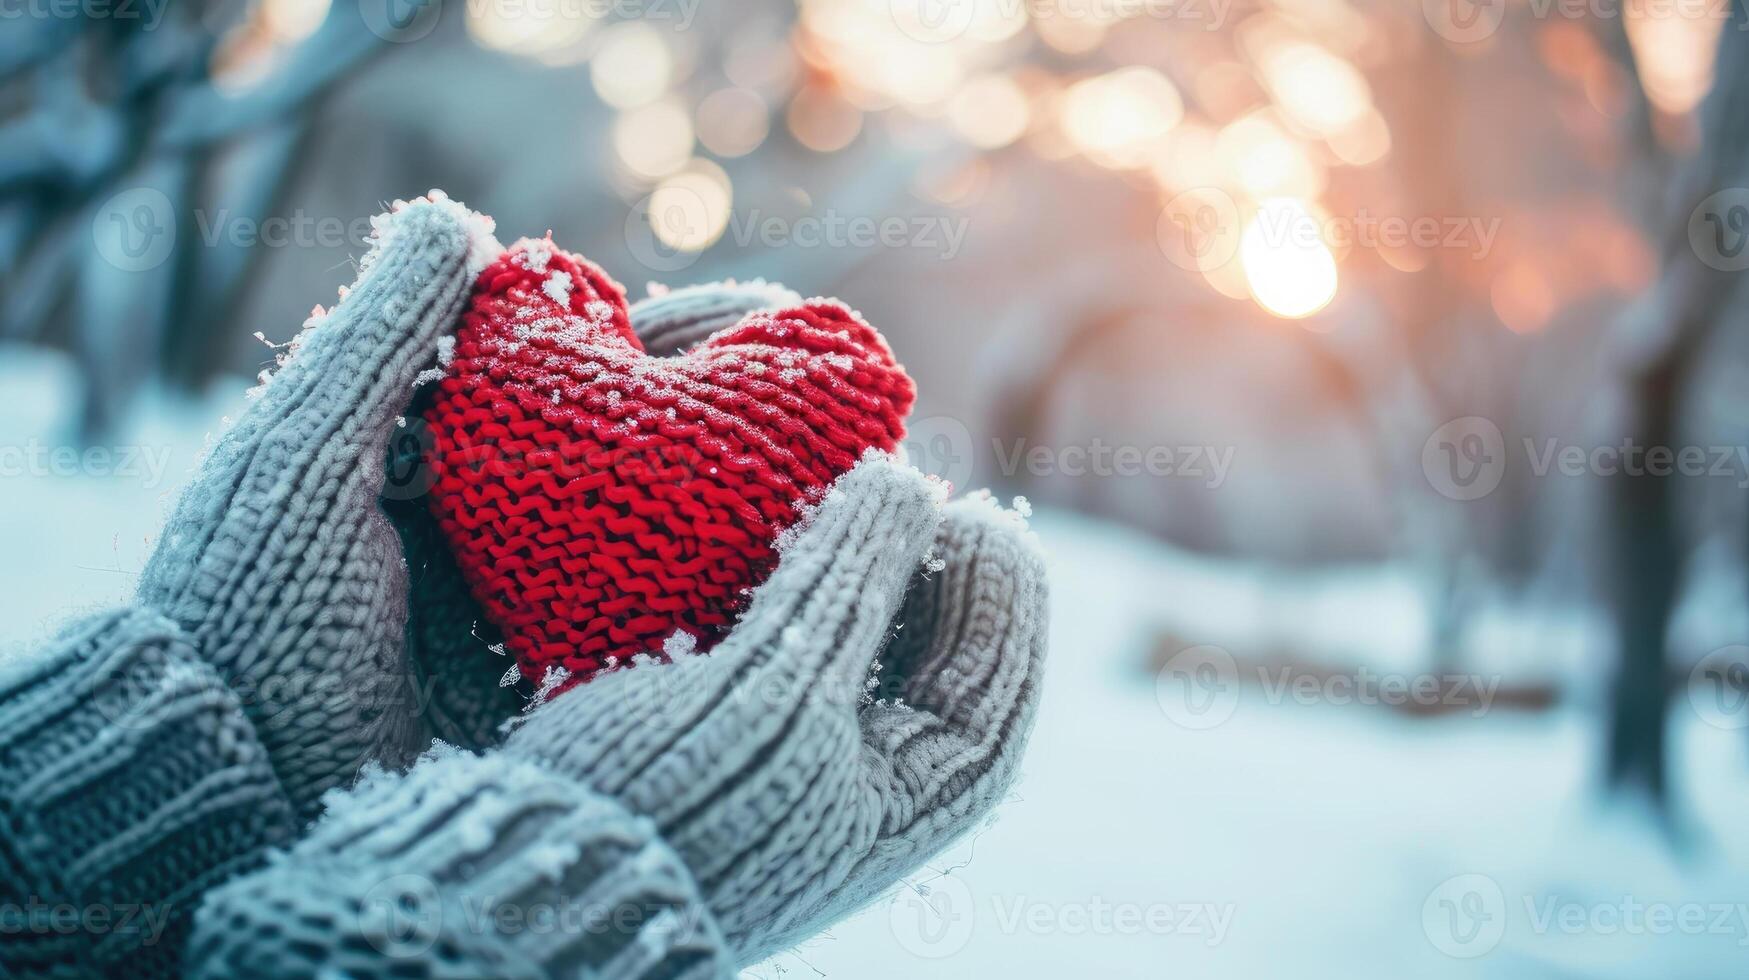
(1700, 296)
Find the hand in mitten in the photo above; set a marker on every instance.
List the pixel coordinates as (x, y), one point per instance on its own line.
(870, 706)
(277, 563)
(130, 782)
(150, 753)
(448, 633)
(864, 712)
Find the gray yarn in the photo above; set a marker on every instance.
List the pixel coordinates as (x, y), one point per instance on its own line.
(464, 867)
(787, 781)
(795, 791)
(277, 563)
(673, 321)
(738, 801)
(130, 782)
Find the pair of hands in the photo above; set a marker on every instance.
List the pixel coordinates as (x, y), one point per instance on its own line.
(351, 638)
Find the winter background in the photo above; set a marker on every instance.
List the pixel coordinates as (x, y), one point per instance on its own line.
(1327, 339)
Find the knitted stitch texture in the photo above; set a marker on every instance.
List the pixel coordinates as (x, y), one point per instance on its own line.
(464, 703)
(464, 867)
(794, 776)
(678, 319)
(598, 499)
(130, 782)
(277, 563)
(807, 763)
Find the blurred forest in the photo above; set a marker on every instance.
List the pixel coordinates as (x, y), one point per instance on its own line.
(1097, 198)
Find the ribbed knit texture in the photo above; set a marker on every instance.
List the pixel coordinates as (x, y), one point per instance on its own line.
(465, 867)
(130, 782)
(277, 562)
(795, 791)
(793, 780)
(598, 499)
(672, 322)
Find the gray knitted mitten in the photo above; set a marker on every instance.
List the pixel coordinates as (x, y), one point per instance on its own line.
(277, 562)
(130, 782)
(806, 763)
(464, 867)
(786, 778)
(671, 322)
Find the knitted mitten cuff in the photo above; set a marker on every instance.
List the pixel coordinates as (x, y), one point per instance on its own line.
(130, 782)
(466, 866)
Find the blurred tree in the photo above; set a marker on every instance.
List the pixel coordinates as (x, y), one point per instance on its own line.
(114, 120)
(1694, 300)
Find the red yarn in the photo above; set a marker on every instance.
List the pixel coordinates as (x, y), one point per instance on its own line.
(598, 499)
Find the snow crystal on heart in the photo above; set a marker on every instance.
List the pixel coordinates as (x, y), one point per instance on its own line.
(536, 255)
(558, 288)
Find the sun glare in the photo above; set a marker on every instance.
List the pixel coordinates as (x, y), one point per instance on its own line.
(1288, 267)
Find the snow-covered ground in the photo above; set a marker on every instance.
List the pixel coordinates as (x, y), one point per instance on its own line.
(1304, 841)
(1287, 840)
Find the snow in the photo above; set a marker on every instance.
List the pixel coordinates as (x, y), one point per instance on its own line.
(483, 248)
(445, 357)
(679, 644)
(1292, 840)
(1318, 833)
(534, 253)
(558, 288)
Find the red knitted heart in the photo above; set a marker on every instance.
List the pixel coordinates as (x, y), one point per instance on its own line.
(599, 499)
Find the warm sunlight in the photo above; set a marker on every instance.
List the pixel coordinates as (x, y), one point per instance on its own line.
(1288, 268)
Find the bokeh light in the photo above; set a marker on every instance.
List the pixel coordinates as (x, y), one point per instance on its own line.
(654, 140)
(822, 121)
(1119, 119)
(689, 210)
(633, 65)
(1289, 270)
(530, 30)
(733, 122)
(990, 111)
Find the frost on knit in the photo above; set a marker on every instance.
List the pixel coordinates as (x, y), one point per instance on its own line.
(277, 562)
(446, 628)
(763, 797)
(792, 797)
(669, 321)
(130, 782)
(598, 498)
(763, 781)
(410, 875)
